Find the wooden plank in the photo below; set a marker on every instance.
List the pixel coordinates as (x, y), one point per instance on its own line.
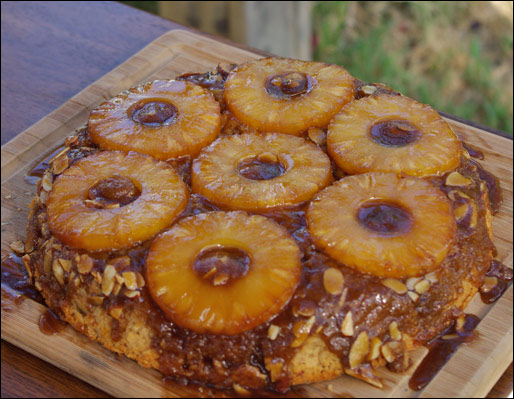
(171, 54)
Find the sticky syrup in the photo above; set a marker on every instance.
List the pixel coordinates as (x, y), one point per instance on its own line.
(38, 171)
(441, 350)
(504, 276)
(16, 284)
(50, 323)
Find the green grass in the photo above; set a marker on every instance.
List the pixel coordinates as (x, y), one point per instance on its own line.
(431, 51)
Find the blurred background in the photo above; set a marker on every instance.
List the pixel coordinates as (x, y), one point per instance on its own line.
(456, 56)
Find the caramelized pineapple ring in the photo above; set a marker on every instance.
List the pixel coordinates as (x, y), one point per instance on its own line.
(258, 172)
(383, 225)
(112, 200)
(164, 119)
(287, 96)
(223, 272)
(388, 133)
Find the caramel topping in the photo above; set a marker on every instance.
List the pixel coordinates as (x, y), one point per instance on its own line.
(384, 218)
(394, 133)
(116, 189)
(221, 265)
(154, 113)
(260, 169)
(288, 85)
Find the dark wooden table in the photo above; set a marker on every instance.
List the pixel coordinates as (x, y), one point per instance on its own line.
(51, 51)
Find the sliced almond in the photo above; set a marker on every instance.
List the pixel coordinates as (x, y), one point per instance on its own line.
(117, 287)
(374, 352)
(389, 351)
(347, 325)
(120, 262)
(422, 286)
(240, 390)
(43, 196)
(413, 296)
(18, 246)
(396, 285)
(95, 300)
(432, 277)
(461, 211)
(60, 164)
(119, 279)
(84, 263)
(58, 271)
(359, 350)
(66, 264)
(70, 140)
(47, 181)
(26, 264)
(333, 281)
(456, 179)
(368, 89)
(130, 280)
(116, 312)
(301, 330)
(108, 280)
(411, 282)
(460, 322)
(273, 332)
(131, 293)
(394, 331)
(489, 283)
(47, 261)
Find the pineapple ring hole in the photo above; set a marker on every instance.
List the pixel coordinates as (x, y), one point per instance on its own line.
(384, 217)
(394, 133)
(153, 112)
(288, 85)
(262, 167)
(221, 265)
(114, 191)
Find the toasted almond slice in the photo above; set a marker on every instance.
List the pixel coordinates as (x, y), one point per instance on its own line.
(359, 350)
(396, 285)
(456, 179)
(347, 325)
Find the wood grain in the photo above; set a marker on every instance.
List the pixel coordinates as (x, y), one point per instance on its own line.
(177, 52)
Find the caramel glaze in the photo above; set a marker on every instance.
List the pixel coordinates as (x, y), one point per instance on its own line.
(50, 323)
(16, 284)
(197, 357)
(441, 350)
(504, 276)
(473, 152)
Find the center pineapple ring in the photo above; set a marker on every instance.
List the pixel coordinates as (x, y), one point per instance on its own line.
(221, 265)
(116, 189)
(288, 84)
(394, 133)
(384, 217)
(154, 113)
(261, 167)
(258, 256)
(258, 172)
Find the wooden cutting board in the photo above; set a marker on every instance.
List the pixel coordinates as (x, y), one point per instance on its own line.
(471, 372)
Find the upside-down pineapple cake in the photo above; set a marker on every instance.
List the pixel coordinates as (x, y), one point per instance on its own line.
(262, 226)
